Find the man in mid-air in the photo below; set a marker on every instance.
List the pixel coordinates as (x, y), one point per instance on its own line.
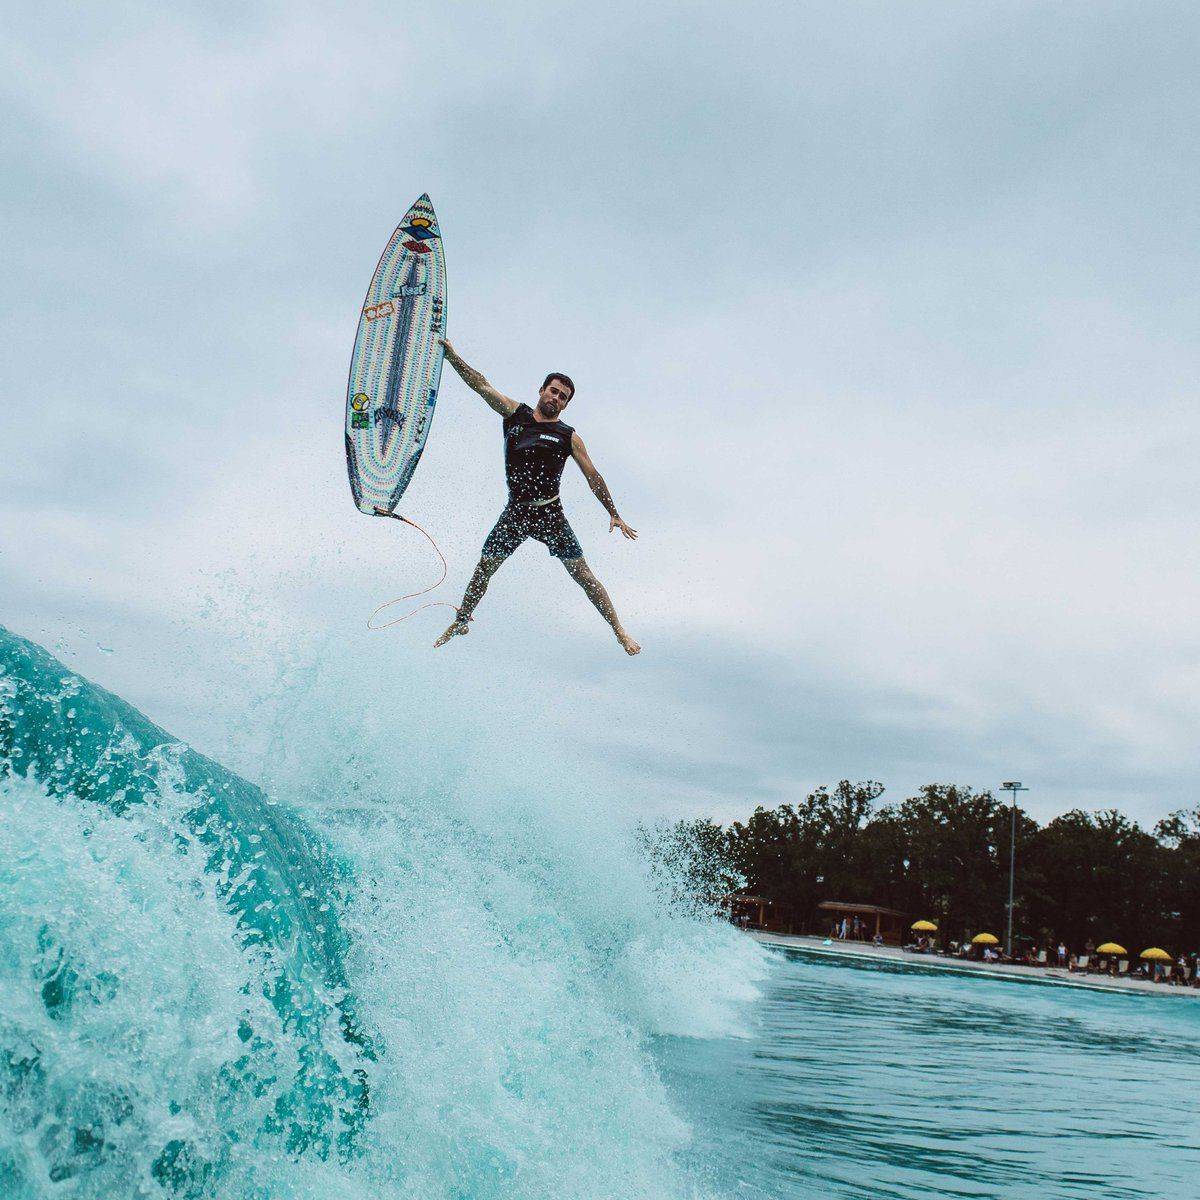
(536, 448)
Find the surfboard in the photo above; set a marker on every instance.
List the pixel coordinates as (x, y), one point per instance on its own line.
(397, 362)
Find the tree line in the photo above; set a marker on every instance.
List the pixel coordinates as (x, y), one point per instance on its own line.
(943, 855)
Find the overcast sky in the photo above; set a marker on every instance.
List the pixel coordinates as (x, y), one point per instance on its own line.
(883, 319)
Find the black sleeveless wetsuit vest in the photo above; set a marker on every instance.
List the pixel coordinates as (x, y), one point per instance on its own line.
(535, 453)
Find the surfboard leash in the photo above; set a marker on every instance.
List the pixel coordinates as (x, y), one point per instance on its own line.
(413, 595)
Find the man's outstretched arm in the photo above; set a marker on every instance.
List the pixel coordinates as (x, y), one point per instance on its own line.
(477, 383)
(599, 487)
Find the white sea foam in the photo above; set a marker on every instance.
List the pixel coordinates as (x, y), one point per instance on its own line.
(511, 956)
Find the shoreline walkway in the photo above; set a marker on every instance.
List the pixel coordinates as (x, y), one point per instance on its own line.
(1056, 976)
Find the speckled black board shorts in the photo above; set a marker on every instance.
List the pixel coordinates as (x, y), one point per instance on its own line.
(545, 523)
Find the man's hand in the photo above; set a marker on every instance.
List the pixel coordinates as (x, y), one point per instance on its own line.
(615, 522)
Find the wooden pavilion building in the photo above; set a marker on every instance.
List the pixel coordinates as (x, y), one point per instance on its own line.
(889, 923)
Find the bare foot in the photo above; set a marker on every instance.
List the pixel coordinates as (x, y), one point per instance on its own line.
(628, 644)
(455, 630)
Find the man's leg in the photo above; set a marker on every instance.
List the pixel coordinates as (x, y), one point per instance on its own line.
(507, 534)
(579, 571)
(487, 567)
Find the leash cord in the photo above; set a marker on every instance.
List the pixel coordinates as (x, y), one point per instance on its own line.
(379, 512)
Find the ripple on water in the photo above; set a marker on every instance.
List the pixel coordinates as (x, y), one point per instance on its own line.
(870, 1081)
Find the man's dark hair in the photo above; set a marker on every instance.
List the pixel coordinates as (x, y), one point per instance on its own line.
(562, 378)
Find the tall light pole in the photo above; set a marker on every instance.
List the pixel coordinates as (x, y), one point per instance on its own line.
(1012, 858)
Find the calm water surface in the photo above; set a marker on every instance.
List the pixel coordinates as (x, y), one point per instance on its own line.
(871, 1080)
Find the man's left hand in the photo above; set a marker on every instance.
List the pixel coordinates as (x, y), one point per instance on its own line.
(616, 523)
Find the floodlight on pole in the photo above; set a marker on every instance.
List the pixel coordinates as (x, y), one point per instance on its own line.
(1014, 788)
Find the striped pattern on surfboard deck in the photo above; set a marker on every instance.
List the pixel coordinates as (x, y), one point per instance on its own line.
(397, 362)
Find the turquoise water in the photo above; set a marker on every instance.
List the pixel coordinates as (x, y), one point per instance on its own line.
(877, 1081)
(373, 979)
(355, 985)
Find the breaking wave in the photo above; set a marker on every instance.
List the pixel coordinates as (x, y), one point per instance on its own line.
(388, 991)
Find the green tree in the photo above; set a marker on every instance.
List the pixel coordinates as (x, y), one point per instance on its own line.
(1179, 833)
(1100, 876)
(944, 854)
(800, 854)
(690, 862)
(956, 841)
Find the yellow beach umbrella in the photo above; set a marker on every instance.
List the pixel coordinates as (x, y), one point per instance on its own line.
(1111, 948)
(924, 926)
(1154, 954)
(985, 939)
